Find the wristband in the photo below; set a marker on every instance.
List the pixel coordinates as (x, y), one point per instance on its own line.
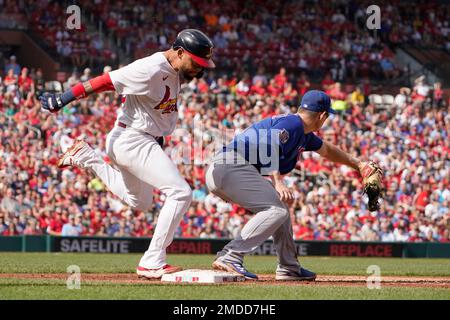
(67, 97)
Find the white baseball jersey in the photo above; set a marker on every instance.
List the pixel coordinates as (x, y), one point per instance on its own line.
(150, 86)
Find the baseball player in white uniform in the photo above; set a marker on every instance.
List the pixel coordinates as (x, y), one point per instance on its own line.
(150, 87)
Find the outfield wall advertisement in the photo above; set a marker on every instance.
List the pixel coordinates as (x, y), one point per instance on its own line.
(211, 246)
(197, 246)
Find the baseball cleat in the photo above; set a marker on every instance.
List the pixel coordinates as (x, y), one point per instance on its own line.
(68, 158)
(234, 267)
(289, 275)
(156, 273)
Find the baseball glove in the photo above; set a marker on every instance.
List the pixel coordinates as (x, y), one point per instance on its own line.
(372, 176)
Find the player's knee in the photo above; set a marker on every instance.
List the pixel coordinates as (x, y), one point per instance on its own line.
(186, 194)
(281, 212)
(182, 192)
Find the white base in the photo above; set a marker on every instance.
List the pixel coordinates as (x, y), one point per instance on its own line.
(202, 276)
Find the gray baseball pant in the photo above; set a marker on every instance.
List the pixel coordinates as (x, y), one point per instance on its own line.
(239, 182)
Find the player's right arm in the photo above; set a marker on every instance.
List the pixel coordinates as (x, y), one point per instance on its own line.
(54, 102)
(287, 127)
(334, 154)
(283, 191)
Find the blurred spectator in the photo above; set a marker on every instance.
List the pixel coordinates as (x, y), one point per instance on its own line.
(12, 65)
(73, 227)
(25, 82)
(335, 91)
(388, 68)
(199, 193)
(56, 224)
(86, 75)
(10, 81)
(8, 203)
(402, 97)
(32, 228)
(327, 83)
(303, 84)
(421, 89)
(437, 94)
(357, 96)
(260, 76)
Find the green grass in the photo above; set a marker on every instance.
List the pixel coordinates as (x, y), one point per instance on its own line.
(56, 289)
(126, 263)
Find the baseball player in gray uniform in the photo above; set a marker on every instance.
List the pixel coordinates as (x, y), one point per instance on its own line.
(270, 147)
(150, 87)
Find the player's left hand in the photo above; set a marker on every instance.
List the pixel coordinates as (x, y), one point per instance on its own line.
(372, 176)
(284, 192)
(51, 102)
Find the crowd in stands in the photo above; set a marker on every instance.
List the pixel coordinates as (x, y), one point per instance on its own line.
(314, 36)
(50, 22)
(311, 36)
(408, 137)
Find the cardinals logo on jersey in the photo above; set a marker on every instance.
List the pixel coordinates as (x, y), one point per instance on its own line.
(167, 105)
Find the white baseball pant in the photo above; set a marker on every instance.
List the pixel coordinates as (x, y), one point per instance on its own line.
(141, 164)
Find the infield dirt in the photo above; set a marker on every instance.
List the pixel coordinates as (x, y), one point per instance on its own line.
(264, 279)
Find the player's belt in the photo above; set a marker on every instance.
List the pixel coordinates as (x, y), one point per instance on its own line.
(123, 125)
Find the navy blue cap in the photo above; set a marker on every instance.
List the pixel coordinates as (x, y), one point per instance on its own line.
(317, 101)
